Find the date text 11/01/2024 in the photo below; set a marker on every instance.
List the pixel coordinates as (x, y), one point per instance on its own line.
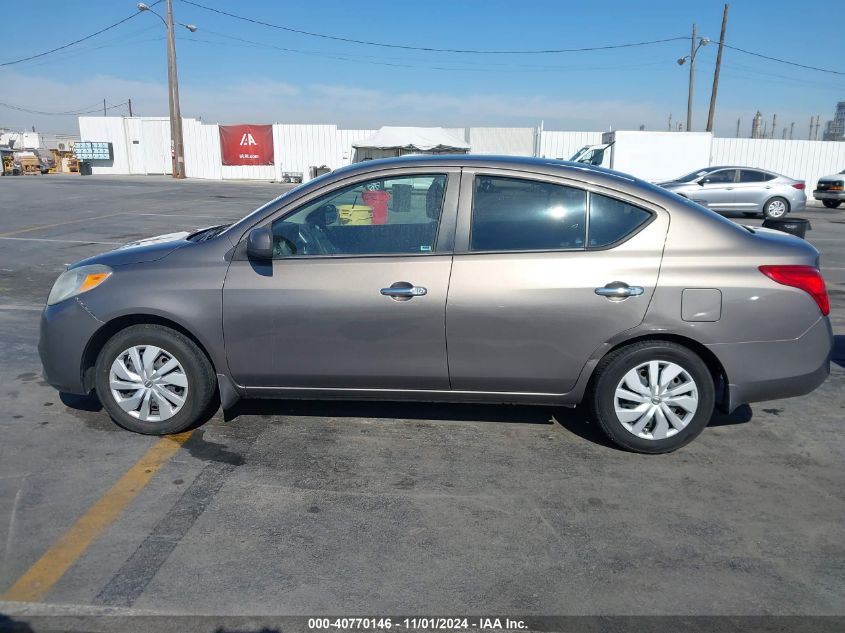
(426, 623)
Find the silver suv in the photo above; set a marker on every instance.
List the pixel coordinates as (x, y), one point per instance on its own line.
(451, 278)
(741, 189)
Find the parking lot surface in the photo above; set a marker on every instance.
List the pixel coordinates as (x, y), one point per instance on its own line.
(306, 507)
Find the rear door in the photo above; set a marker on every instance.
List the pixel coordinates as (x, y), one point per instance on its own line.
(752, 190)
(355, 296)
(523, 313)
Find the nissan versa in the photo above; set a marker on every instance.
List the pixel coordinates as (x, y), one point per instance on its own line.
(456, 278)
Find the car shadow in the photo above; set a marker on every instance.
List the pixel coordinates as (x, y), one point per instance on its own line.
(838, 355)
(575, 420)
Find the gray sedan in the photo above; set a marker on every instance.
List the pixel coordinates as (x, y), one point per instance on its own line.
(451, 278)
(741, 189)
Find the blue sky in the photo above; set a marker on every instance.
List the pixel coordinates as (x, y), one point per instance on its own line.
(323, 81)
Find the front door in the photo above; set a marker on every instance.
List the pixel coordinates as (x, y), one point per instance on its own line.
(716, 190)
(535, 288)
(356, 293)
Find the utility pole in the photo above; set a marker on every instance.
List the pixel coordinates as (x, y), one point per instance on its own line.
(670, 121)
(104, 107)
(691, 80)
(737, 127)
(130, 107)
(791, 129)
(774, 124)
(715, 89)
(175, 111)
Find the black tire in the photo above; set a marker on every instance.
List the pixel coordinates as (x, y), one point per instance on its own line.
(831, 204)
(198, 370)
(771, 202)
(611, 370)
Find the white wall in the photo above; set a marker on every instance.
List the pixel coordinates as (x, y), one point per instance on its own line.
(109, 129)
(804, 160)
(299, 147)
(507, 141)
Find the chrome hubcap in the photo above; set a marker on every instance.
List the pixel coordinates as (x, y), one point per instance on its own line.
(656, 400)
(777, 208)
(148, 383)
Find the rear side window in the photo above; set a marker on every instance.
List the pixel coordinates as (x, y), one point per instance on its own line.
(514, 214)
(612, 220)
(752, 175)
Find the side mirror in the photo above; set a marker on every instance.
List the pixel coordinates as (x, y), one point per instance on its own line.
(259, 243)
(703, 182)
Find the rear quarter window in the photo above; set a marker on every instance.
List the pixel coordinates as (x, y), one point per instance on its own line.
(612, 221)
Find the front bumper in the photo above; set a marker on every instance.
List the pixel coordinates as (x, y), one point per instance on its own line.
(771, 370)
(66, 329)
(828, 195)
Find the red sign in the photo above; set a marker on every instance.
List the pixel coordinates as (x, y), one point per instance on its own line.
(246, 144)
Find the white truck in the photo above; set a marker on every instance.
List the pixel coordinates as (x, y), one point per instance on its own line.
(651, 156)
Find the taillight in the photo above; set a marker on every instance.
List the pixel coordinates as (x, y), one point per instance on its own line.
(799, 185)
(806, 278)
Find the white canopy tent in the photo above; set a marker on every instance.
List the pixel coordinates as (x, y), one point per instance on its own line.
(398, 141)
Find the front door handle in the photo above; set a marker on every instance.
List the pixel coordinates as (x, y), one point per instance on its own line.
(402, 290)
(619, 290)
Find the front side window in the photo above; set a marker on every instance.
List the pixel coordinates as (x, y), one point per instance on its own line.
(722, 176)
(396, 215)
(514, 214)
(612, 220)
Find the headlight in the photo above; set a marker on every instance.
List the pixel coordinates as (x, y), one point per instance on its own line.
(76, 281)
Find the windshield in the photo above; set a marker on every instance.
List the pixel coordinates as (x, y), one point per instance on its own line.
(693, 176)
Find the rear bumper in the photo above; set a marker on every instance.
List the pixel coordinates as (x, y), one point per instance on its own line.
(66, 329)
(771, 370)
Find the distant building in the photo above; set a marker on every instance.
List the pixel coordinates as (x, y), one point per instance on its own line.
(835, 130)
(757, 130)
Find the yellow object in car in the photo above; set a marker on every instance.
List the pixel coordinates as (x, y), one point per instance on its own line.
(355, 214)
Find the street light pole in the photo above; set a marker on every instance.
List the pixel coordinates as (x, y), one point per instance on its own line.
(691, 80)
(177, 146)
(176, 141)
(704, 41)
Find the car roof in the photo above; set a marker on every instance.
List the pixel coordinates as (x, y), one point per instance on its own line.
(519, 163)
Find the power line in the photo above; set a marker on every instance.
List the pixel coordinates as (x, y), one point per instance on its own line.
(496, 69)
(69, 44)
(89, 109)
(429, 48)
(784, 61)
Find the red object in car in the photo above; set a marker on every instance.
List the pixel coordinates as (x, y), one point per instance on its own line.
(804, 278)
(378, 201)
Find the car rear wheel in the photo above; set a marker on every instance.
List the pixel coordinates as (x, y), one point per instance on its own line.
(831, 204)
(652, 396)
(776, 208)
(154, 380)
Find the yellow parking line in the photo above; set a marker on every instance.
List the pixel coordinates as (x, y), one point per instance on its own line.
(48, 570)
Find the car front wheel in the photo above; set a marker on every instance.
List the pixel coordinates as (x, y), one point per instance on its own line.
(154, 380)
(652, 396)
(776, 208)
(831, 204)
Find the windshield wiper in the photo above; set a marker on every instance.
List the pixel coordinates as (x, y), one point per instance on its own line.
(206, 234)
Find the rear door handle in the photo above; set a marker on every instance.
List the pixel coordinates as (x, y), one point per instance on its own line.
(619, 290)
